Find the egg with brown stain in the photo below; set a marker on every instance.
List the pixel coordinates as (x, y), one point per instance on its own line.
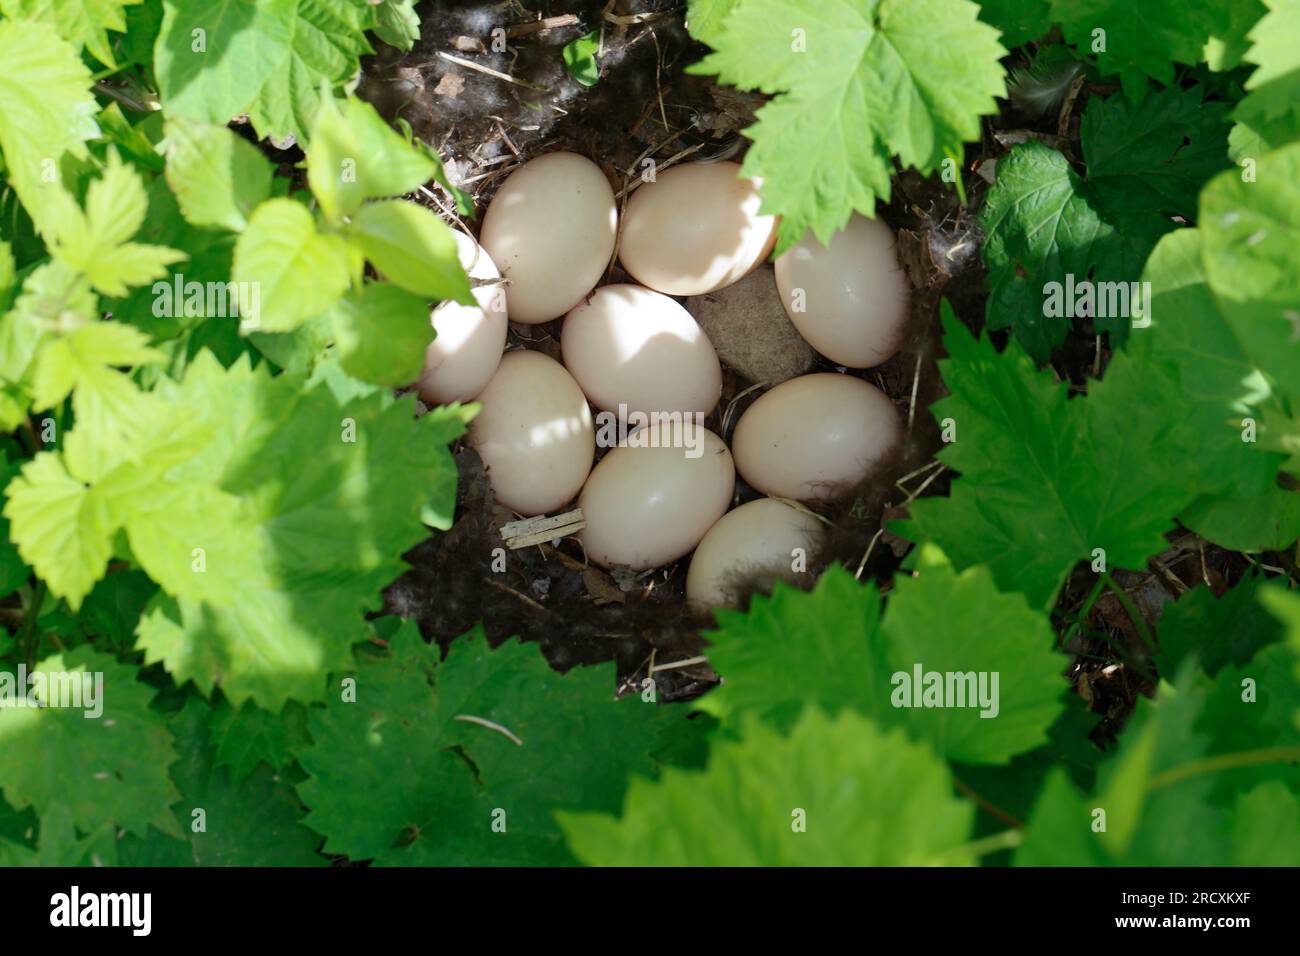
(759, 542)
(815, 437)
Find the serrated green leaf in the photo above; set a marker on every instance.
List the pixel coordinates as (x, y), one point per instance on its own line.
(81, 22)
(843, 657)
(1271, 110)
(355, 156)
(1019, 20)
(267, 59)
(249, 822)
(218, 177)
(110, 768)
(865, 798)
(1044, 482)
(1046, 224)
(1137, 40)
(299, 271)
(457, 750)
(325, 498)
(704, 19)
(413, 248)
(61, 527)
(1218, 631)
(382, 333)
(46, 110)
(397, 23)
(247, 737)
(860, 81)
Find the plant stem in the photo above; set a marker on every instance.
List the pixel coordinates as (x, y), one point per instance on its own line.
(26, 642)
(994, 843)
(1245, 758)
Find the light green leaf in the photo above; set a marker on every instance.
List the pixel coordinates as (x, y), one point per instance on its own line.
(397, 23)
(217, 176)
(867, 798)
(299, 271)
(81, 22)
(355, 156)
(580, 58)
(859, 81)
(1270, 113)
(46, 110)
(382, 334)
(61, 527)
(413, 248)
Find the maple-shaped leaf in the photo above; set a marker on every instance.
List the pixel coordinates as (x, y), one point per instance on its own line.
(1218, 631)
(834, 791)
(1044, 223)
(1046, 482)
(266, 59)
(1137, 40)
(465, 761)
(244, 738)
(318, 499)
(81, 22)
(254, 821)
(830, 647)
(46, 110)
(858, 82)
(96, 241)
(107, 768)
(1269, 116)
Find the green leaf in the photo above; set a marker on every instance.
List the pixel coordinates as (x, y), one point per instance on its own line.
(382, 333)
(1019, 20)
(355, 156)
(218, 177)
(299, 271)
(1137, 40)
(1045, 224)
(250, 822)
(81, 22)
(1219, 631)
(1045, 482)
(1251, 251)
(267, 59)
(846, 71)
(704, 19)
(320, 499)
(46, 110)
(109, 768)
(430, 756)
(397, 23)
(867, 798)
(247, 737)
(580, 58)
(854, 661)
(413, 248)
(61, 527)
(1271, 110)
(95, 242)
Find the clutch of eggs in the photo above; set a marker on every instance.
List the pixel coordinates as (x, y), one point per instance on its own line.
(664, 491)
